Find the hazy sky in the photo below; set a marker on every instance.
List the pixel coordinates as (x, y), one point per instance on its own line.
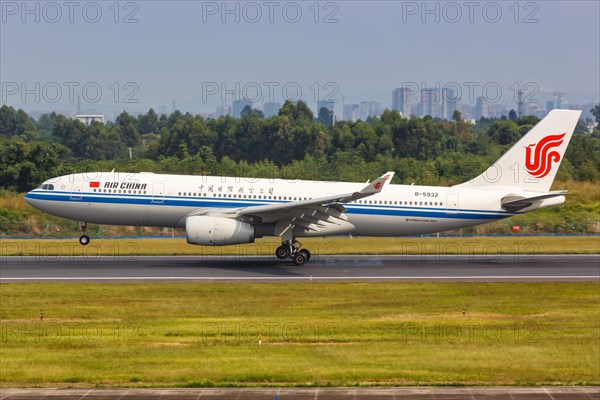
(154, 52)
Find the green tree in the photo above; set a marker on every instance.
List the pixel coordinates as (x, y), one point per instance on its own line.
(596, 113)
(304, 111)
(504, 132)
(296, 111)
(7, 120)
(246, 111)
(148, 123)
(457, 116)
(325, 117)
(24, 165)
(530, 120)
(24, 125)
(129, 129)
(45, 123)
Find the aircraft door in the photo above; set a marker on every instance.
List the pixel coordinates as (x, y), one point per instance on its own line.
(158, 193)
(76, 189)
(452, 203)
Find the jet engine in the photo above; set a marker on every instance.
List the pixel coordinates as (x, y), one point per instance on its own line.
(217, 231)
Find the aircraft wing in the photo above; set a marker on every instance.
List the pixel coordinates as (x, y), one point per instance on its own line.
(318, 214)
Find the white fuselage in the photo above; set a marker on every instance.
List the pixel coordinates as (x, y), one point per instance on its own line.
(147, 199)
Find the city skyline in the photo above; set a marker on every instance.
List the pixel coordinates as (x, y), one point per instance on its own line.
(428, 102)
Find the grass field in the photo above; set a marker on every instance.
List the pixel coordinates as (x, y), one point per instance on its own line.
(322, 246)
(312, 334)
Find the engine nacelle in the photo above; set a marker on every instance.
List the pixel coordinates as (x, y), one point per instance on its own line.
(217, 231)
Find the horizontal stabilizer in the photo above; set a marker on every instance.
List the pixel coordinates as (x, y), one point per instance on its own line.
(515, 203)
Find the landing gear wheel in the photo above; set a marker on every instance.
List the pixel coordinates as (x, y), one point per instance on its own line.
(300, 258)
(84, 240)
(282, 252)
(306, 253)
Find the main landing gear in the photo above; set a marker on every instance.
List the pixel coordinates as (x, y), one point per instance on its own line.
(84, 239)
(292, 249)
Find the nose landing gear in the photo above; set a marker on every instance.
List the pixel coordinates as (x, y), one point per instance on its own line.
(292, 249)
(84, 239)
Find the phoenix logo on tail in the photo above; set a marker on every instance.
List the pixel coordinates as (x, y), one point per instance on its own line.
(540, 163)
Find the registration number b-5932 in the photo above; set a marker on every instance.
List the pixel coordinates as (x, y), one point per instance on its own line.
(426, 194)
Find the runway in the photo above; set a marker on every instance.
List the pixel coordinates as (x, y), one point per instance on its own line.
(434, 268)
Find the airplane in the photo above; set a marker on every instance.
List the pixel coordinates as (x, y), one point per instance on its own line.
(218, 211)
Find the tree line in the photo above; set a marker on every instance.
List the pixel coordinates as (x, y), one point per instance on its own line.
(293, 144)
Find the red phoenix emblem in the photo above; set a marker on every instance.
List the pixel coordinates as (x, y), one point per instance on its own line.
(540, 162)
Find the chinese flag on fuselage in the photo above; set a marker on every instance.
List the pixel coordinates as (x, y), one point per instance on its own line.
(94, 184)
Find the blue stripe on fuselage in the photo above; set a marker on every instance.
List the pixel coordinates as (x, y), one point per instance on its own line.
(180, 201)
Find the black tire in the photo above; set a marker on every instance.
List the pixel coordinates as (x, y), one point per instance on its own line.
(300, 258)
(84, 240)
(306, 254)
(282, 252)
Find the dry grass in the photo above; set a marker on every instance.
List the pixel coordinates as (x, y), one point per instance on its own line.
(324, 247)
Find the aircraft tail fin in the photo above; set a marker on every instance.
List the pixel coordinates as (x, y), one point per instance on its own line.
(531, 164)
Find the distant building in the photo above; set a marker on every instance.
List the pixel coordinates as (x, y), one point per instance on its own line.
(223, 110)
(430, 102)
(466, 110)
(364, 110)
(271, 109)
(350, 112)
(532, 109)
(550, 105)
(89, 118)
(376, 109)
(559, 101)
(449, 101)
(497, 110)
(239, 105)
(401, 101)
(586, 110)
(481, 109)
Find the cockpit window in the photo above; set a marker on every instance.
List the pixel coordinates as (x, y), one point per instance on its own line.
(47, 186)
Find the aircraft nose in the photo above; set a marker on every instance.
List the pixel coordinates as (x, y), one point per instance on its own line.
(29, 199)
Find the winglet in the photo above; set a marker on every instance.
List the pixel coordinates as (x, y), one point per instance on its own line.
(377, 185)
